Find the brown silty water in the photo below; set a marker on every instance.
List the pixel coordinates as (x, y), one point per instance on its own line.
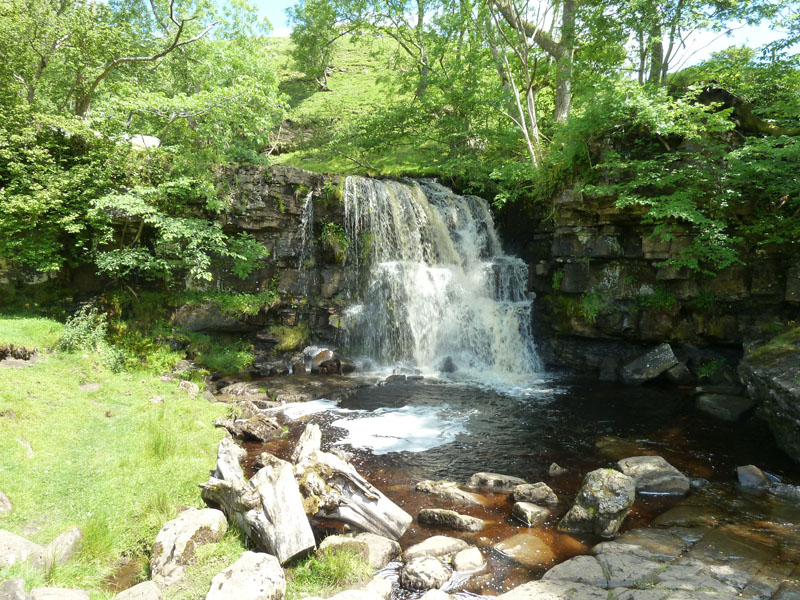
(579, 425)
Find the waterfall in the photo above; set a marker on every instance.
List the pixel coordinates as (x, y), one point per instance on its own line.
(436, 284)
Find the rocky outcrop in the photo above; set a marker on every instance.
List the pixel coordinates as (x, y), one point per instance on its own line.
(254, 576)
(604, 500)
(771, 375)
(175, 544)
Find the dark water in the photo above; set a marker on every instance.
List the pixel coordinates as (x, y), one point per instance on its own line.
(402, 433)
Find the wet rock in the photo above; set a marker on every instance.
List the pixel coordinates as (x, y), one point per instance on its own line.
(470, 559)
(654, 544)
(530, 514)
(448, 365)
(52, 593)
(527, 549)
(424, 573)
(191, 388)
(727, 408)
(254, 576)
(175, 544)
(581, 569)
(604, 500)
(448, 490)
(329, 367)
(380, 550)
(5, 505)
(299, 368)
(627, 570)
(679, 375)
(64, 547)
(494, 482)
(15, 549)
(332, 543)
(649, 365)
(751, 477)
(147, 590)
(450, 519)
(690, 578)
(13, 589)
(380, 587)
(554, 590)
(396, 378)
(556, 470)
(436, 546)
(770, 373)
(535, 493)
(654, 475)
(257, 428)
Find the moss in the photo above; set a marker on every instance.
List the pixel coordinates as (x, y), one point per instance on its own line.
(290, 338)
(778, 347)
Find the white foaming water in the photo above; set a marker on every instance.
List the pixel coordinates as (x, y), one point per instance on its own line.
(296, 410)
(406, 429)
(437, 284)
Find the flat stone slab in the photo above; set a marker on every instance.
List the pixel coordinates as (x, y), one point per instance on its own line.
(494, 482)
(450, 519)
(449, 491)
(535, 493)
(649, 365)
(628, 570)
(50, 593)
(527, 549)
(530, 514)
(555, 590)
(438, 545)
(654, 475)
(581, 569)
(254, 576)
(727, 408)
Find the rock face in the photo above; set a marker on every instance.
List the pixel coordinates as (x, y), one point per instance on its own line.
(654, 475)
(175, 544)
(535, 493)
(725, 407)
(530, 514)
(494, 482)
(268, 507)
(425, 573)
(649, 366)
(448, 490)
(770, 373)
(449, 519)
(604, 500)
(255, 576)
(15, 550)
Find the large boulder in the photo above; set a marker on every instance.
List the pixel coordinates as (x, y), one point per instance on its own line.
(654, 475)
(723, 406)
(255, 576)
(381, 550)
(13, 589)
(470, 559)
(494, 482)
(425, 573)
(15, 549)
(535, 493)
(64, 547)
(147, 590)
(450, 519)
(437, 546)
(649, 366)
(604, 500)
(770, 373)
(528, 549)
(175, 544)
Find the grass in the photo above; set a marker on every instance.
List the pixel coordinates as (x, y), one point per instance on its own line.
(326, 573)
(109, 461)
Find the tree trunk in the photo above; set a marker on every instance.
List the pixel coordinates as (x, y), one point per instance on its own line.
(656, 46)
(564, 63)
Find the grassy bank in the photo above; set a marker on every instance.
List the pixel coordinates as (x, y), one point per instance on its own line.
(103, 455)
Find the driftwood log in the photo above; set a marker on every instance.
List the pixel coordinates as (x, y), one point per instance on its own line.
(333, 489)
(268, 508)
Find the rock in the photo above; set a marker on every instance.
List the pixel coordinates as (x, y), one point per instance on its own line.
(64, 547)
(299, 368)
(13, 589)
(727, 408)
(654, 475)
(554, 590)
(680, 375)
(604, 500)
(146, 590)
(191, 388)
(268, 508)
(257, 428)
(175, 544)
(535, 493)
(494, 482)
(254, 576)
(627, 570)
(424, 573)
(555, 470)
(329, 367)
(380, 586)
(770, 373)
(437, 546)
(527, 549)
(449, 519)
(470, 559)
(649, 365)
(448, 365)
(206, 316)
(381, 550)
(333, 543)
(448, 490)
(530, 514)
(51, 593)
(581, 569)
(751, 477)
(310, 441)
(5, 505)
(15, 549)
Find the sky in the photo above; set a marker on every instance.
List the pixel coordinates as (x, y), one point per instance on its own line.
(699, 48)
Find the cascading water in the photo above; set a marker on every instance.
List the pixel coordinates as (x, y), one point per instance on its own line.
(437, 283)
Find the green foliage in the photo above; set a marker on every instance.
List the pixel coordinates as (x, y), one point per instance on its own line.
(85, 331)
(336, 239)
(558, 275)
(290, 338)
(327, 572)
(660, 299)
(710, 367)
(594, 303)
